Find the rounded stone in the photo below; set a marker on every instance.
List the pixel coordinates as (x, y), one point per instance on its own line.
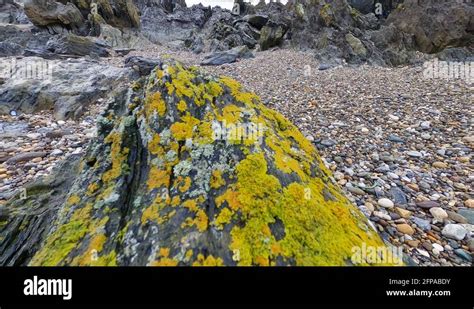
(454, 231)
(469, 203)
(405, 229)
(438, 213)
(385, 203)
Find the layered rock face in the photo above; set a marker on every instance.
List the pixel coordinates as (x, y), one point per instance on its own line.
(187, 169)
(78, 15)
(336, 30)
(206, 29)
(67, 87)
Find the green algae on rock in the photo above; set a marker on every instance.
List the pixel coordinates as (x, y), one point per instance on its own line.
(159, 187)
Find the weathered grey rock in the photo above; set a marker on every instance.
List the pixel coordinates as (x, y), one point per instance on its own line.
(77, 83)
(170, 5)
(14, 39)
(26, 157)
(395, 139)
(272, 35)
(143, 66)
(256, 20)
(439, 214)
(416, 18)
(422, 223)
(468, 214)
(356, 45)
(364, 6)
(71, 15)
(398, 196)
(463, 254)
(385, 203)
(454, 231)
(71, 44)
(456, 217)
(230, 56)
(325, 27)
(427, 204)
(45, 13)
(160, 27)
(414, 154)
(11, 12)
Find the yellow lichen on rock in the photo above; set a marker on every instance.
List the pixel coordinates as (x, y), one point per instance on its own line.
(184, 129)
(158, 178)
(164, 259)
(154, 103)
(118, 155)
(316, 231)
(190, 198)
(216, 179)
(208, 261)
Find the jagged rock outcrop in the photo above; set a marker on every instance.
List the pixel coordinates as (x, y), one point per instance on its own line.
(14, 39)
(339, 32)
(436, 25)
(71, 44)
(161, 27)
(381, 7)
(187, 169)
(171, 5)
(66, 86)
(334, 30)
(11, 12)
(44, 13)
(273, 32)
(229, 56)
(205, 29)
(78, 23)
(363, 6)
(72, 15)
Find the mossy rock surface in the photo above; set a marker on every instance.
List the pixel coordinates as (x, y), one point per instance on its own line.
(158, 187)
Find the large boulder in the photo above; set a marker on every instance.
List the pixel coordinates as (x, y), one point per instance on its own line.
(256, 20)
(397, 47)
(71, 44)
(272, 35)
(79, 16)
(44, 13)
(161, 27)
(229, 56)
(187, 169)
(67, 86)
(434, 24)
